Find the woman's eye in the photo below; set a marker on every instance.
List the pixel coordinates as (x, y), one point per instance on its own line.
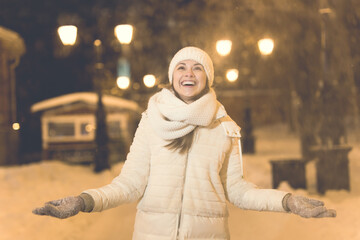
(181, 68)
(198, 68)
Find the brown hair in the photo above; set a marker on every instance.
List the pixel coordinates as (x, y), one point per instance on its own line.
(184, 143)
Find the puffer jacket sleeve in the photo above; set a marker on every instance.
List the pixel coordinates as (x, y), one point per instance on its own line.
(130, 185)
(244, 194)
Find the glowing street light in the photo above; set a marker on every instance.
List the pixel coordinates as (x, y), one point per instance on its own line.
(123, 33)
(67, 34)
(123, 82)
(223, 47)
(149, 80)
(266, 46)
(16, 126)
(232, 75)
(97, 43)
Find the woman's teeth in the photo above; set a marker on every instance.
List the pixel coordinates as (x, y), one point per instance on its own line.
(188, 83)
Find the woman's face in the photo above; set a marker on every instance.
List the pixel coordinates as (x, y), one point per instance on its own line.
(189, 80)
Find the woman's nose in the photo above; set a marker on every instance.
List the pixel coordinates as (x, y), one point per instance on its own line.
(189, 72)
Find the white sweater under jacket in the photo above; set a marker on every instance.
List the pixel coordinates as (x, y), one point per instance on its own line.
(184, 196)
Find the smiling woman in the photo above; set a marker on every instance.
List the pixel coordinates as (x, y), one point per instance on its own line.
(183, 189)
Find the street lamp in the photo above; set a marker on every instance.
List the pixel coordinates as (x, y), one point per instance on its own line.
(223, 47)
(16, 126)
(123, 33)
(68, 35)
(266, 46)
(123, 82)
(149, 80)
(232, 75)
(332, 164)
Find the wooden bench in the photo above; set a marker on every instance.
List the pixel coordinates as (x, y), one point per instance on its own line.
(290, 170)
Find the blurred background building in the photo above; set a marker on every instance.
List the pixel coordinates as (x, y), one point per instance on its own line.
(68, 124)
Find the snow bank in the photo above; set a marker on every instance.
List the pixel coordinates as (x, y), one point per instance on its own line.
(26, 187)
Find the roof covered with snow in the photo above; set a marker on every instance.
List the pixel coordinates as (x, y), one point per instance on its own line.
(11, 42)
(87, 97)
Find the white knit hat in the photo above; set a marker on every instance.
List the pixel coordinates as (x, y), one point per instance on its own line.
(197, 55)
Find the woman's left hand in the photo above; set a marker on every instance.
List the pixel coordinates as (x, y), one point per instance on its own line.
(307, 208)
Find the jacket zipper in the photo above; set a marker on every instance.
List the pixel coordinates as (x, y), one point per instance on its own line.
(182, 195)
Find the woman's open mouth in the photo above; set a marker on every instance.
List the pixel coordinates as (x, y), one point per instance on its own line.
(188, 83)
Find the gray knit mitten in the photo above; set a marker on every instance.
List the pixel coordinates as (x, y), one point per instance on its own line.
(306, 207)
(62, 208)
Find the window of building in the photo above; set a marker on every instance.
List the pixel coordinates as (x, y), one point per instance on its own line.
(114, 129)
(61, 129)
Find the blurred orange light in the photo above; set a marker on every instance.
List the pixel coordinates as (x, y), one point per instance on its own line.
(149, 80)
(124, 33)
(16, 126)
(223, 47)
(67, 34)
(266, 46)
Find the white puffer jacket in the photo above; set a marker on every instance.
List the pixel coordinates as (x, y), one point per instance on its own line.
(184, 196)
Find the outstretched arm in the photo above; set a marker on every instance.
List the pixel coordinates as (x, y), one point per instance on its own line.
(246, 195)
(128, 186)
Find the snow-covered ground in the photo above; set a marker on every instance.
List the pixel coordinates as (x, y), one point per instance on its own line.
(26, 187)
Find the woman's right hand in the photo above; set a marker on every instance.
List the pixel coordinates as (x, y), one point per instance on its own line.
(62, 208)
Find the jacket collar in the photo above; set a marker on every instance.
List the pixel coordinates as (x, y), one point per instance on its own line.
(221, 112)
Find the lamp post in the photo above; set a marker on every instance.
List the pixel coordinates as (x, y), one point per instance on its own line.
(101, 160)
(223, 48)
(332, 165)
(68, 35)
(266, 46)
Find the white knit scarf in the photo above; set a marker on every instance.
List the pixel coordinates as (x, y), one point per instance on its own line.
(172, 118)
